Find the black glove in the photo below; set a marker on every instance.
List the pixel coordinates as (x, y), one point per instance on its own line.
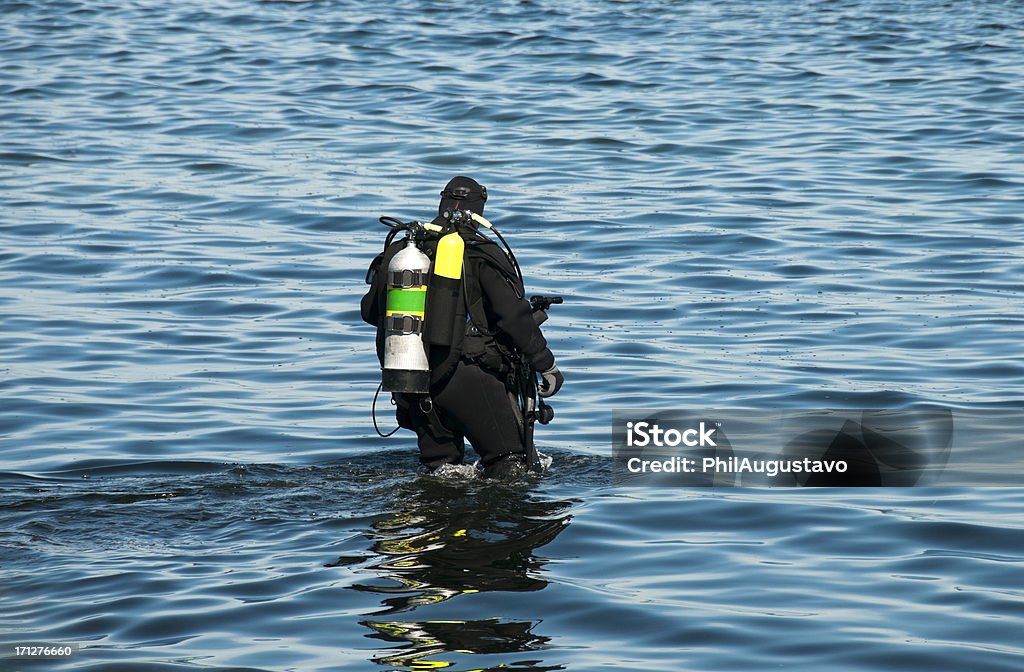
(551, 383)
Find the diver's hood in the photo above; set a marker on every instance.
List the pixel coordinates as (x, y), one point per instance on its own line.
(463, 193)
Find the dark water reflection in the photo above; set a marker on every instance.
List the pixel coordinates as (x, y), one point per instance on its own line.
(449, 540)
(445, 639)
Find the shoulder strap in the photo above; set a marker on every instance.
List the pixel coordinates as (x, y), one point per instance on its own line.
(473, 297)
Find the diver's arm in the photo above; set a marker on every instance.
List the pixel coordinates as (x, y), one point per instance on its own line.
(369, 306)
(515, 318)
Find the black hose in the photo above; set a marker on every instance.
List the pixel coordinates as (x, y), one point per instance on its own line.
(508, 252)
(511, 255)
(373, 414)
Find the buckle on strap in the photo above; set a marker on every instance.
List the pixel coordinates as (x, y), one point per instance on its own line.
(405, 324)
(407, 278)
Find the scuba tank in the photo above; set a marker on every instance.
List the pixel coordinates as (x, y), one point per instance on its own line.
(405, 357)
(422, 302)
(443, 290)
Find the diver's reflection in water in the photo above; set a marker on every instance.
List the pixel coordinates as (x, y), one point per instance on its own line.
(450, 538)
(448, 639)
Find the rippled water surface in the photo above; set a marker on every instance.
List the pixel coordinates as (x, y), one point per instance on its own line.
(773, 205)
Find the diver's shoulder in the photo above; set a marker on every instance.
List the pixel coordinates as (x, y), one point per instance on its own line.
(482, 247)
(486, 250)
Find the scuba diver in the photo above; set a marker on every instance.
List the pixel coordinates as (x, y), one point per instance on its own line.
(460, 346)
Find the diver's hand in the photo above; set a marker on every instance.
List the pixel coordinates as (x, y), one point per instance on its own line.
(551, 383)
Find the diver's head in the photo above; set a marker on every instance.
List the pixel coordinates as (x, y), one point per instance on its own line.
(463, 193)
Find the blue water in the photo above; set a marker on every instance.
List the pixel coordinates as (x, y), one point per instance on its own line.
(777, 205)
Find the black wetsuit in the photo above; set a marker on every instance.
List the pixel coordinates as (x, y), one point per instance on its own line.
(470, 391)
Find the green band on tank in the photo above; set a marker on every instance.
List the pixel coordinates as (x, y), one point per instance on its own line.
(406, 300)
